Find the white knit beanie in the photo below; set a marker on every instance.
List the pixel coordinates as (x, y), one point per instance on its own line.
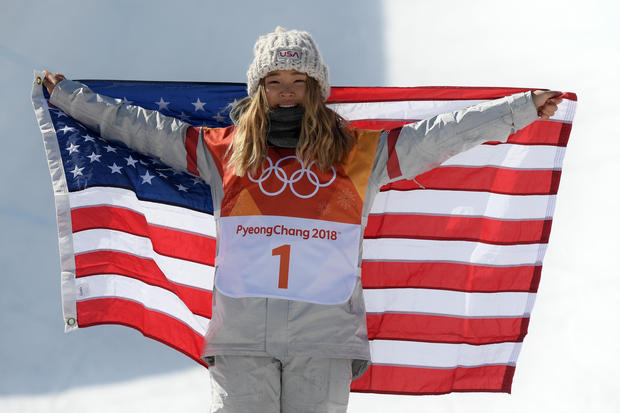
(287, 50)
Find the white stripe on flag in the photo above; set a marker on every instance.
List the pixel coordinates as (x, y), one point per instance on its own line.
(510, 156)
(405, 110)
(154, 298)
(464, 203)
(176, 270)
(402, 249)
(163, 215)
(566, 111)
(442, 355)
(423, 109)
(443, 302)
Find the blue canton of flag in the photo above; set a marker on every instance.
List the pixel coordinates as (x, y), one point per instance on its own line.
(90, 161)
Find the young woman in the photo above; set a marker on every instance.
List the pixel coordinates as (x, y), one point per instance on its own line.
(292, 185)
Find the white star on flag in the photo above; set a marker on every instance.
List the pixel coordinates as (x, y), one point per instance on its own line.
(73, 148)
(163, 175)
(94, 157)
(126, 102)
(219, 118)
(108, 148)
(198, 105)
(184, 116)
(196, 180)
(146, 178)
(131, 161)
(181, 188)
(162, 104)
(88, 138)
(115, 168)
(66, 129)
(76, 171)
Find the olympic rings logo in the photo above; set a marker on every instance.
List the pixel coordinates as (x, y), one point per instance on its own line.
(277, 171)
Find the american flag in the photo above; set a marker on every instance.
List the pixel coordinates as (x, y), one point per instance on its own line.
(452, 259)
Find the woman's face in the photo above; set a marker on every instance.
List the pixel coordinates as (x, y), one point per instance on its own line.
(285, 88)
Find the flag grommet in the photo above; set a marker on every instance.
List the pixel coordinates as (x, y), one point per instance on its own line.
(38, 80)
(71, 322)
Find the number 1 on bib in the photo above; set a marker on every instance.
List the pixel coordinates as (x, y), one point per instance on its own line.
(284, 251)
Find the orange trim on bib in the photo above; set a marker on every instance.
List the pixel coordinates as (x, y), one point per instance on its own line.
(286, 187)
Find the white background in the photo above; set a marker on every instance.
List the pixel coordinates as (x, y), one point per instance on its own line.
(569, 360)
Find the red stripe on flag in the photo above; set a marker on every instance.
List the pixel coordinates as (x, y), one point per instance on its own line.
(462, 277)
(449, 227)
(150, 323)
(429, 93)
(565, 133)
(393, 166)
(417, 380)
(168, 242)
(542, 132)
(445, 329)
(487, 179)
(146, 270)
(380, 124)
(191, 145)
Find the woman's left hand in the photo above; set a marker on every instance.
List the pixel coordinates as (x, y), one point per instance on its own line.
(546, 102)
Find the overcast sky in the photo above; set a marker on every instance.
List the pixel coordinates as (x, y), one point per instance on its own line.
(568, 361)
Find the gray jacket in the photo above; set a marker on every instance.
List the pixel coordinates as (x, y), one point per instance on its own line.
(279, 327)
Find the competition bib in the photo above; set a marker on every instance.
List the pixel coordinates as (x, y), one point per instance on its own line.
(290, 258)
(290, 230)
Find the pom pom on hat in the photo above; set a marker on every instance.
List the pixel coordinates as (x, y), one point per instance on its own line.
(287, 50)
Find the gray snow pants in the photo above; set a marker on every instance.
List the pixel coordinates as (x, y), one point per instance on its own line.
(243, 384)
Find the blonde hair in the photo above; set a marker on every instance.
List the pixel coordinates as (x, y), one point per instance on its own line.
(324, 137)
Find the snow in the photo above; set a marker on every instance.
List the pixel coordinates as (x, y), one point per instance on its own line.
(183, 391)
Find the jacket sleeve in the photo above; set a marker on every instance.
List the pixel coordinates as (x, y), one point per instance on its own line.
(146, 131)
(422, 146)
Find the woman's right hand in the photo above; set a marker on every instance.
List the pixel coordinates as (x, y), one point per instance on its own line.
(50, 80)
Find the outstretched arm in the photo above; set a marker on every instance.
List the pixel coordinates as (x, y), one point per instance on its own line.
(143, 130)
(424, 145)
